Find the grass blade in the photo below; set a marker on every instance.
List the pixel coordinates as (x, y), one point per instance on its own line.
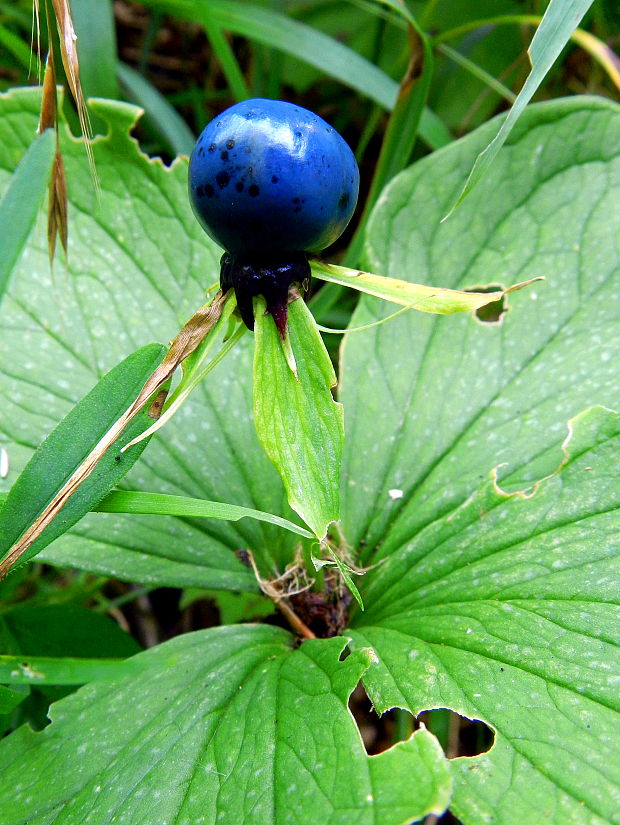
(162, 117)
(94, 26)
(305, 43)
(45, 670)
(557, 26)
(21, 202)
(65, 449)
(122, 501)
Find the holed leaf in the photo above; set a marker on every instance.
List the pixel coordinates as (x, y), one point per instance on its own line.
(229, 725)
(506, 611)
(502, 607)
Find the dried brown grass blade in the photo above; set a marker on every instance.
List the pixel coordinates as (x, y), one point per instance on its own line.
(57, 214)
(199, 325)
(57, 218)
(48, 119)
(68, 50)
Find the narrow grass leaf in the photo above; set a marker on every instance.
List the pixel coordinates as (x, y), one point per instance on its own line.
(47, 670)
(63, 453)
(16, 46)
(161, 116)
(436, 300)
(21, 202)
(125, 501)
(96, 44)
(345, 572)
(228, 62)
(557, 26)
(305, 43)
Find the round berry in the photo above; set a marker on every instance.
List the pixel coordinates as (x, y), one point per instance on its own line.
(268, 177)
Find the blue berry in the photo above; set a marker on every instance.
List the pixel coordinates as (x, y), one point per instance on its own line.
(269, 175)
(270, 181)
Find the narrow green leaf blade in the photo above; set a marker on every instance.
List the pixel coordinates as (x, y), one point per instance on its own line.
(126, 501)
(303, 42)
(47, 670)
(346, 575)
(236, 725)
(560, 20)
(96, 43)
(17, 47)
(69, 444)
(298, 422)
(434, 299)
(163, 117)
(21, 202)
(9, 699)
(282, 32)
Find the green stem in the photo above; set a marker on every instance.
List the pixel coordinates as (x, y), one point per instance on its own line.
(228, 61)
(502, 20)
(477, 71)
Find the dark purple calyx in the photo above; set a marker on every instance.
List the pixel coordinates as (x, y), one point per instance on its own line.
(270, 277)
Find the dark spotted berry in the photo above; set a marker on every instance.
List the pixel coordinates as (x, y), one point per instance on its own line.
(270, 182)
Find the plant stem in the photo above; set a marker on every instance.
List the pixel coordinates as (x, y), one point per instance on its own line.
(293, 619)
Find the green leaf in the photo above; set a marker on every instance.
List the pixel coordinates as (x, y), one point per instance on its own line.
(433, 299)
(17, 47)
(478, 395)
(96, 43)
(10, 699)
(478, 612)
(46, 670)
(161, 116)
(303, 42)
(282, 32)
(498, 606)
(138, 267)
(21, 202)
(298, 422)
(66, 630)
(161, 504)
(560, 20)
(70, 443)
(229, 725)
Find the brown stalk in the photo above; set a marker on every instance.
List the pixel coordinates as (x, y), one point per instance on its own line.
(280, 601)
(68, 51)
(199, 325)
(57, 214)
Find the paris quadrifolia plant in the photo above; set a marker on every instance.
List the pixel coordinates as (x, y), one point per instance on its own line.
(273, 185)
